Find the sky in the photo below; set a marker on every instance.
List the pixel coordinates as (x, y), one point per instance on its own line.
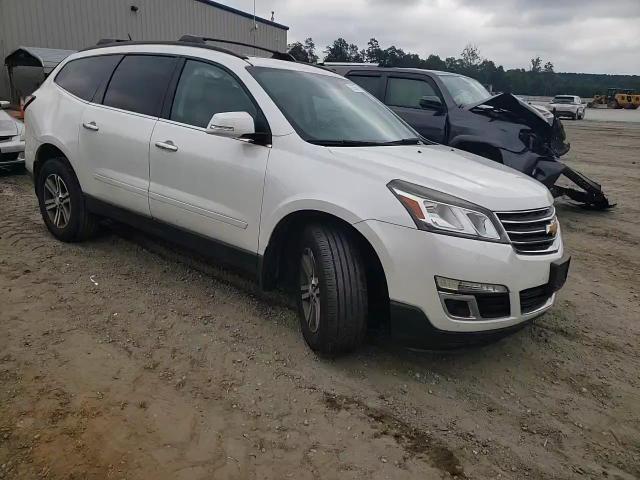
(592, 36)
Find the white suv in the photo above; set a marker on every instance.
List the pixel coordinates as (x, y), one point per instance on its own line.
(301, 178)
(568, 106)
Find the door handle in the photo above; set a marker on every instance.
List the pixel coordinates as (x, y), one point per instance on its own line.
(91, 126)
(168, 145)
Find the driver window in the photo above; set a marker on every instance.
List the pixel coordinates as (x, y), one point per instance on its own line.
(204, 90)
(407, 92)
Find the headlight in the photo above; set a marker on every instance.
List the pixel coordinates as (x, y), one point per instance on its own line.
(21, 131)
(439, 212)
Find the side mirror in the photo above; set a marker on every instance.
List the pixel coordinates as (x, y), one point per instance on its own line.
(431, 102)
(231, 125)
(4, 104)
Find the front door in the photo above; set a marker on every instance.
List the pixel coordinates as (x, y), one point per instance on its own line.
(403, 95)
(204, 183)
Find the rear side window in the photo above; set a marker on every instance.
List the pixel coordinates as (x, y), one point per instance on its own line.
(84, 76)
(139, 84)
(371, 83)
(205, 90)
(407, 92)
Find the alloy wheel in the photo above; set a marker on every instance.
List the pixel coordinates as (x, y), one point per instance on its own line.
(57, 201)
(310, 290)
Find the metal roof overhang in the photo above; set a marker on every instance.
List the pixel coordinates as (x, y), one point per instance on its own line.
(47, 58)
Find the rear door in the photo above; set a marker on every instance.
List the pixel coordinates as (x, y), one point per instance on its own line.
(115, 134)
(205, 183)
(403, 95)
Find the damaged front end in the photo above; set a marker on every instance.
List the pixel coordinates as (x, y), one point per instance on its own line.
(544, 139)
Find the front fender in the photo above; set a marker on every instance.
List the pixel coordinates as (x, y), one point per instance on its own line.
(294, 205)
(462, 139)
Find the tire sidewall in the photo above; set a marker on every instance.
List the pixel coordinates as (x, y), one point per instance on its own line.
(314, 339)
(59, 167)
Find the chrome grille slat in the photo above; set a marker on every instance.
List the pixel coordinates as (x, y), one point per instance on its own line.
(537, 220)
(527, 230)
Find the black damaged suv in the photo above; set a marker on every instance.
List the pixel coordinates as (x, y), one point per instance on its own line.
(459, 111)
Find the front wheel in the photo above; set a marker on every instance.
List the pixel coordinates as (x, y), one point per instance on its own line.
(332, 290)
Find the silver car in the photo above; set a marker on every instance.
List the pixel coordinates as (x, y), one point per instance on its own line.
(11, 139)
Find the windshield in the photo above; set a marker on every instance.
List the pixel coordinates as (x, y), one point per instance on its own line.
(464, 90)
(563, 100)
(328, 110)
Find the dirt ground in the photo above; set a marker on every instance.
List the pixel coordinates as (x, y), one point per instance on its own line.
(121, 358)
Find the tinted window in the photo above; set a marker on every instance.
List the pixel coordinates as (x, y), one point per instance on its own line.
(369, 83)
(407, 92)
(139, 84)
(82, 77)
(205, 90)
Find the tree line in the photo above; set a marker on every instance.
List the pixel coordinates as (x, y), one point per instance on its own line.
(539, 78)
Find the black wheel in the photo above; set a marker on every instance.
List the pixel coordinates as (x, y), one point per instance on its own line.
(332, 290)
(62, 202)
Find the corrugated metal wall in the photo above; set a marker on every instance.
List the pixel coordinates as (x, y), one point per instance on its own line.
(75, 24)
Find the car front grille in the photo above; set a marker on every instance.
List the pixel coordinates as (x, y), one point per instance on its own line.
(534, 298)
(531, 232)
(7, 157)
(6, 139)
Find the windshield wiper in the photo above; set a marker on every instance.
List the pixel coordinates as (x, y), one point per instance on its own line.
(404, 141)
(345, 143)
(364, 143)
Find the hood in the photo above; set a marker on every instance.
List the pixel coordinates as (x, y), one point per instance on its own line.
(8, 126)
(508, 107)
(462, 174)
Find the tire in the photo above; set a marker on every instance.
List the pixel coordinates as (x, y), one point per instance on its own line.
(67, 218)
(332, 290)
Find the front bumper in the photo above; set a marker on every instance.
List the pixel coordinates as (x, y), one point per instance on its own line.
(411, 259)
(564, 111)
(11, 153)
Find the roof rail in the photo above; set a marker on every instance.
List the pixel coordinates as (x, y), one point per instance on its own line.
(106, 41)
(203, 40)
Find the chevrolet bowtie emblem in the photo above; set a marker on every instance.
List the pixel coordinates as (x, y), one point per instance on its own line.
(552, 228)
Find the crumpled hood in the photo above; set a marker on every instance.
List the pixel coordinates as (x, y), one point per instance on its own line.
(8, 127)
(451, 171)
(549, 130)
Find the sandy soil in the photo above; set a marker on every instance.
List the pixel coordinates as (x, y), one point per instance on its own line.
(121, 358)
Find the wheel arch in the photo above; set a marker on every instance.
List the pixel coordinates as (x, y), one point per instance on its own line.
(276, 267)
(47, 151)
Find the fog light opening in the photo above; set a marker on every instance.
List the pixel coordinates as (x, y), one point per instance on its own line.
(458, 308)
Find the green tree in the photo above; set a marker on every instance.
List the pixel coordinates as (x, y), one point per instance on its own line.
(297, 51)
(536, 65)
(434, 62)
(373, 54)
(538, 78)
(310, 49)
(338, 51)
(470, 57)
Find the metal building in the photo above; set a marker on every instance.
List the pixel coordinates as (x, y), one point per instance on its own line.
(76, 24)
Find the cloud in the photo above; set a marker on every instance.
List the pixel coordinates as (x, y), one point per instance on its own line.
(576, 35)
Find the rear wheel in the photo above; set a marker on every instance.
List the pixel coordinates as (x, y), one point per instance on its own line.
(332, 290)
(62, 202)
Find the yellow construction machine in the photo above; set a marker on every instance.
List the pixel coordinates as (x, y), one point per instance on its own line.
(617, 98)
